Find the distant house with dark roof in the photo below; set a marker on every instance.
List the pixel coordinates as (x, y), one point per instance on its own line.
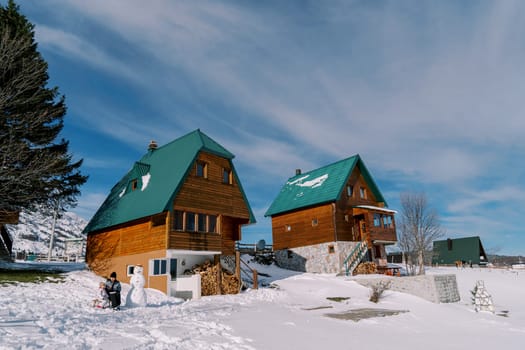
(468, 250)
(329, 219)
(180, 205)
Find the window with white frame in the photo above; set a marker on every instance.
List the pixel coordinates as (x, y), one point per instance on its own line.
(158, 267)
(194, 222)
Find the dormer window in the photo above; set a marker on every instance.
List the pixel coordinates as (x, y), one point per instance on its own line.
(134, 184)
(201, 169)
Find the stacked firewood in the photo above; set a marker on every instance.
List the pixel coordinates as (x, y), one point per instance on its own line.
(365, 268)
(229, 283)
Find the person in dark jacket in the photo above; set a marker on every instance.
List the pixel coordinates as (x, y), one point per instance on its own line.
(113, 288)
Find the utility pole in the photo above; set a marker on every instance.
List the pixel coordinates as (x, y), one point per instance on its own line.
(55, 214)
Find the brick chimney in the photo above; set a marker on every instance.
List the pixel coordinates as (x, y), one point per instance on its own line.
(152, 145)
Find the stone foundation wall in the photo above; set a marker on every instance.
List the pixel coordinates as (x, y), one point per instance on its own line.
(318, 258)
(435, 288)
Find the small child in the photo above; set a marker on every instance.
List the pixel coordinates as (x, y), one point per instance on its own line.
(102, 301)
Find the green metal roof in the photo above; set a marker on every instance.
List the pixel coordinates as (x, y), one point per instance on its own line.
(468, 249)
(319, 186)
(160, 174)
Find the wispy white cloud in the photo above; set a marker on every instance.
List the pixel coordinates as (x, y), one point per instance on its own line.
(80, 49)
(428, 93)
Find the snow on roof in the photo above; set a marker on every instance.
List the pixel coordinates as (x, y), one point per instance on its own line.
(376, 208)
(145, 181)
(317, 182)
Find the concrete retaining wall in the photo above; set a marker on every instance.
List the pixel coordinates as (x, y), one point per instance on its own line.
(435, 288)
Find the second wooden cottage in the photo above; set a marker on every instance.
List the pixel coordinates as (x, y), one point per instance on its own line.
(329, 219)
(180, 205)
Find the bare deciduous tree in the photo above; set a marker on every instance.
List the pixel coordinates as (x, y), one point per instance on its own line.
(419, 226)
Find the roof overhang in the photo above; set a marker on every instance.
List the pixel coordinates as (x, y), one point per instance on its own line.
(372, 207)
(173, 252)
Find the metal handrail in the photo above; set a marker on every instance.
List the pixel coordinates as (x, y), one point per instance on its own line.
(356, 255)
(254, 274)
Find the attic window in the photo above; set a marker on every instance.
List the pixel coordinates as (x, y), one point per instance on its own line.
(362, 192)
(134, 184)
(349, 190)
(227, 176)
(201, 169)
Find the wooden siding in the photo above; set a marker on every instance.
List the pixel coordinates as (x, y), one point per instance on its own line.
(230, 232)
(357, 181)
(211, 195)
(302, 232)
(139, 237)
(341, 225)
(194, 241)
(120, 264)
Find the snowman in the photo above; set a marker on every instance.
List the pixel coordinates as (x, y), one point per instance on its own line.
(137, 295)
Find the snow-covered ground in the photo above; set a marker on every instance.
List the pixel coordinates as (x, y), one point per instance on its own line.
(292, 315)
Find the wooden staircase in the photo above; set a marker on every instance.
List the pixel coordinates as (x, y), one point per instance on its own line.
(355, 257)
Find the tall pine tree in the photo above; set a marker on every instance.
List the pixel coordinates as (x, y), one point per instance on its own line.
(35, 166)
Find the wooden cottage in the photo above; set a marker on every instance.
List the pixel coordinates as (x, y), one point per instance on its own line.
(180, 205)
(467, 250)
(329, 219)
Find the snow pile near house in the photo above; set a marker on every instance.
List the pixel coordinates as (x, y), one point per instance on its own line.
(292, 314)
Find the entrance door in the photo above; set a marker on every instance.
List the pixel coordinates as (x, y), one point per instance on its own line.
(361, 227)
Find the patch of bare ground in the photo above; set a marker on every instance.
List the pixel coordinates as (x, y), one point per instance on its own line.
(361, 314)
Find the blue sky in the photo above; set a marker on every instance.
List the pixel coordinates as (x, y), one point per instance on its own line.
(429, 93)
